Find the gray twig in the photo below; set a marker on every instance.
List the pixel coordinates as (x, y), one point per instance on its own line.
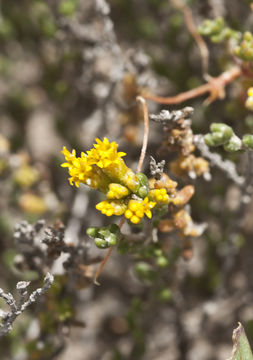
(225, 165)
(19, 306)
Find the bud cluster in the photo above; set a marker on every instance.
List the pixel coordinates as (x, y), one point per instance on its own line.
(222, 134)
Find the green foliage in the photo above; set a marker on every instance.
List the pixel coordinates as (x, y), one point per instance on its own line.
(245, 49)
(217, 30)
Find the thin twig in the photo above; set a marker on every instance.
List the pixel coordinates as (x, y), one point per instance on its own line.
(146, 131)
(215, 88)
(188, 18)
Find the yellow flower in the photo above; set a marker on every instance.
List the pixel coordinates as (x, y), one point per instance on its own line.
(80, 170)
(105, 156)
(117, 191)
(159, 196)
(69, 157)
(104, 153)
(138, 208)
(109, 208)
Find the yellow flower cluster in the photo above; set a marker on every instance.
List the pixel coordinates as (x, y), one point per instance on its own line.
(103, 168)
(137, 209)
(159, 196)
(104, 154)
(99, 167)
(110, 208)
(117, 191)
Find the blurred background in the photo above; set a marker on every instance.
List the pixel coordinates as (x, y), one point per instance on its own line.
(69, 72)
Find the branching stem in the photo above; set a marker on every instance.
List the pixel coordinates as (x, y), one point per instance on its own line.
(215, 88)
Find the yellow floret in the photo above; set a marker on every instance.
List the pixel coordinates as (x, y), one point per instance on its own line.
(117, 191)
(79, 168)
(110, 208)
(104, 153)
(138, 208)
(159, 196)
(81, 171)
(109, 160)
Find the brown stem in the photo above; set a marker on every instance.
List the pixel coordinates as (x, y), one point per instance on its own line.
(146, 132)
(215, 88)
(188, 18)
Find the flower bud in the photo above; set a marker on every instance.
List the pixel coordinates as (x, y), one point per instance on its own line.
(92, 232)
(234, 144)
(224, 129)
(208, 138)
(101, 243)
(248, 140)
(142, 188)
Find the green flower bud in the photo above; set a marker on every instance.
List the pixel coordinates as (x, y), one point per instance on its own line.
(101, 243)
(104, 232)
(162, 261)
(143, 186)
(234, 144)
(143, 192)
(92, 232)
(226, 130)
(208, 138)
(218, 138)
(143, 180)
(248, 140)
(111, 240)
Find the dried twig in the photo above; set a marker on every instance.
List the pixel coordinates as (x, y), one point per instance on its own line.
(146, 131)
(16, 308)
(156, 168)
(215, 88)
